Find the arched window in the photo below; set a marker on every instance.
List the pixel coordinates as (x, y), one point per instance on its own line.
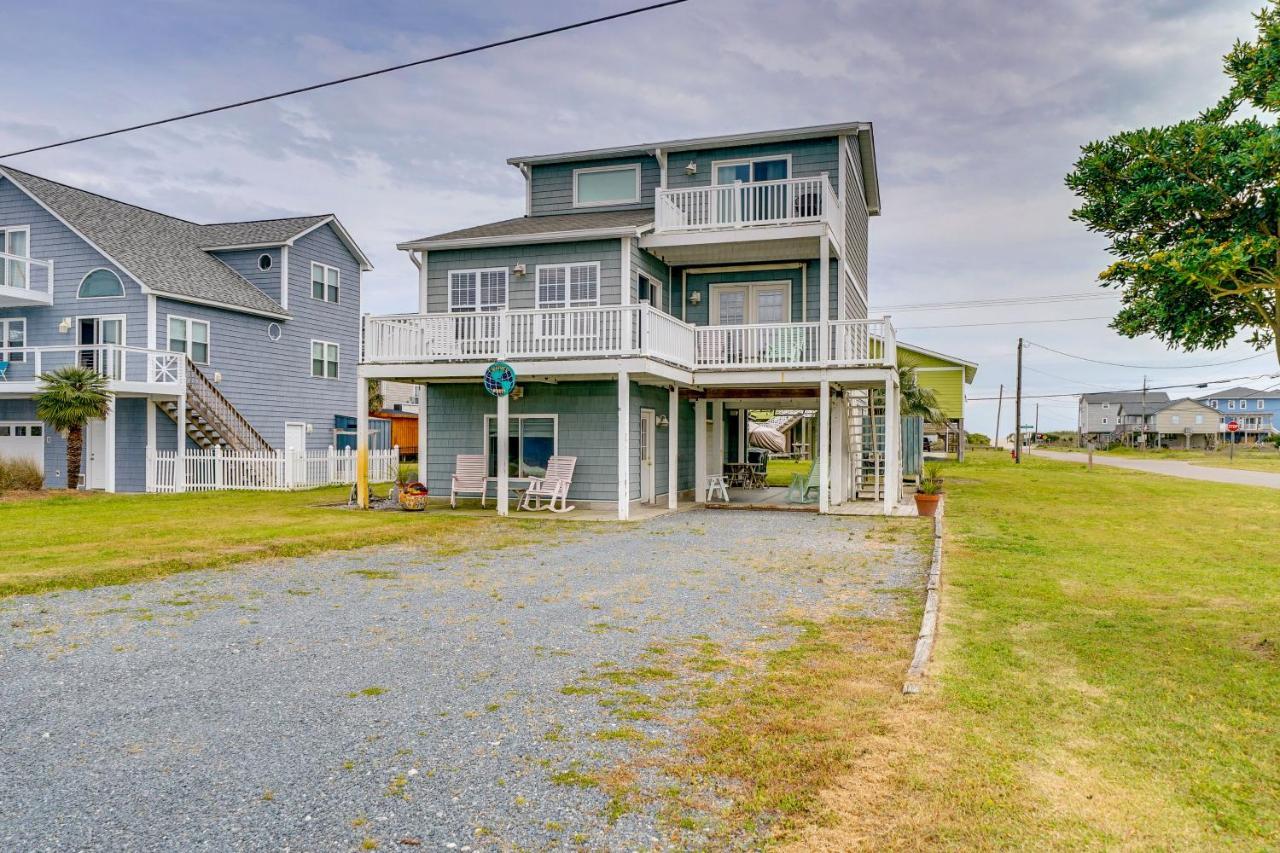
(101, 283)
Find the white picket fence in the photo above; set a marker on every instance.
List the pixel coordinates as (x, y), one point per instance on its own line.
(277, 470)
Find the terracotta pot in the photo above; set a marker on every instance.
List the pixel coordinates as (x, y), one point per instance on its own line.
(927, 504)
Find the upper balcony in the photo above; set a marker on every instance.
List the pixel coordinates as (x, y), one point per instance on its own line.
(624, 331)
(129, 370)
(756, 204)
(25, 281)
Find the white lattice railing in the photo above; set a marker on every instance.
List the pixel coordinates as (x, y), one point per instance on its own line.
(217, 468)
(120, 364)
(737, 205)
(621, 331)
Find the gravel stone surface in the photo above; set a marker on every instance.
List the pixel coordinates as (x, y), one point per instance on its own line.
(390, 695)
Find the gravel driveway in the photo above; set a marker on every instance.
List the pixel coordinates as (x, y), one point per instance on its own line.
(393, 697)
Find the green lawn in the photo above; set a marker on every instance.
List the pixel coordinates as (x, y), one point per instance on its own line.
(82, 540)
(1108, 674)
(780, 471)
(1252, 459)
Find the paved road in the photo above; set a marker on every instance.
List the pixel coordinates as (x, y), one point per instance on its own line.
(1173, 468)
(463, 702)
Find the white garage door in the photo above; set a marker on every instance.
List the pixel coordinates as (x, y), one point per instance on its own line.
(22, 440)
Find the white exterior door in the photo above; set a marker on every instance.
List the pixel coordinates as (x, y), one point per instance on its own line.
(23, 440)
(764, 302)
(295, 445)
(648, 479)
(95, 450)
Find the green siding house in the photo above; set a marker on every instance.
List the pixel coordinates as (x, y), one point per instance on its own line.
(947, 377)
(649, 297)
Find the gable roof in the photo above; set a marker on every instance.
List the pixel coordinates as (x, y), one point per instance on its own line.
(1124, 397)
(165, 254)
(970, 368)
(1241, 393)
(541, 229)
(1156, 406)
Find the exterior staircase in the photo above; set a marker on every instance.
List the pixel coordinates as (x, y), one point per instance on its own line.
(212, 420)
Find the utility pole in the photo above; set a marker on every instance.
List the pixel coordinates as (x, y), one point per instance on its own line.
(1017, 412)
(1036, 433)
(1144, 412)
(995, 439)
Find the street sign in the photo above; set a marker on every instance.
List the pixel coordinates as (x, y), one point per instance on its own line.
(1233, 426)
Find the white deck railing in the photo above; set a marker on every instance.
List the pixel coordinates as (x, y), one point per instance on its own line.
(22, 273)
(216, 469)
(120, 364)
(623, 331)
(737, 205)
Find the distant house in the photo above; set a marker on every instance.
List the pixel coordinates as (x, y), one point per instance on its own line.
(946, 376)
(240, 335)
(1184, 423)
(1255, 411)
(1099, 413)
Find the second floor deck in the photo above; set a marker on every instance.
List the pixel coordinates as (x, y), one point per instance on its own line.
(128, 370)
(625, 331)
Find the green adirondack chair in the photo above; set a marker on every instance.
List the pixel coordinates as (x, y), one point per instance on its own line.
(804, 489)
(788, 347)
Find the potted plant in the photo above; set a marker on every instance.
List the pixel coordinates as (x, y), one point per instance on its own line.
(929, 492)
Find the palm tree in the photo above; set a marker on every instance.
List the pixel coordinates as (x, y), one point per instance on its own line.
(376, 401)
(69, 398)
(918, 401)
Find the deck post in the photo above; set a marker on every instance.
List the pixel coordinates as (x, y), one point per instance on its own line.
(109, 439)
(824, 446)
(839, 450)
(180, 459)
(362, 443)
(149, 407)
(673, 447)
(717, 436)
(422, 432)
(824, 289)
(700, 451)
(504, 454)
(892, 444)
(624, 445)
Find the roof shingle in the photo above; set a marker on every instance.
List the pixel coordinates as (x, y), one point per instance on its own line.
(555, 223)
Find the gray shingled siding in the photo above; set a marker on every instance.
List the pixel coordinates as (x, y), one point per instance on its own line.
(521, 290)
(553, 184)
(245, 262)
(809, 157)
(700, 314)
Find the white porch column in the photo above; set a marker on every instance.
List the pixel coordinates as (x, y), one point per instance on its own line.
(824, 290)
(180, 463)
(839, 457)
(624, 445)
(150, 407)
(892, 445)
(504, 453)
(700, 451)
(742, 435)
(362, 443)
(422, 432)
(673, 447)
(824, 446)
(109, 440)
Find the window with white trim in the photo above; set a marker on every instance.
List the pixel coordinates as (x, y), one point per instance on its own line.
(13, 334)
(1199, 419)
(1106, 406)
(1104, 420)
(601, 185)
(1213, 404)
(325, 282)
(190, 337)
(531, 442)
(1244, 404)
(1261, 404)
(324, 359)
(478, 290)
(15, 240)
(1231, 404)
(569, 285)
(1177, 419)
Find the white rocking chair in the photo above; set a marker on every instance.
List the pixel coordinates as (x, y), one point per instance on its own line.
(553, 487)
(468, 479)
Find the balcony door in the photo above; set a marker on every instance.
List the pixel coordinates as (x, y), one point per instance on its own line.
(748, 304)
(100, 333)
(752, 203)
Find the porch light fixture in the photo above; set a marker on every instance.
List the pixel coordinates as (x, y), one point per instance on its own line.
(691, 168)
(663, 422)
(695, 298)
(519, 269)
(65, 325)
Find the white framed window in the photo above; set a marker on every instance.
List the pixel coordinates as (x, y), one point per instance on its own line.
(1231, 405)
(478, 290)
(15, 240)
(751, 169)
(1261, 404)
(1213, 404)
(326, 282)
(532, 440)
(601, 185)
(1244, 404)
(324, 359)
(1106, 406)
(190, 337)
(13, 335)
(1199, 419)
(650, 291)
(569, 285)
(1104, 420)
(101, 283)
(1177, 419)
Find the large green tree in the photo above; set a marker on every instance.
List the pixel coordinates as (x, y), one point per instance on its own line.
(1192, 210)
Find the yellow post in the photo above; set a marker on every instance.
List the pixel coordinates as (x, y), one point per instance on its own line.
(362, 443)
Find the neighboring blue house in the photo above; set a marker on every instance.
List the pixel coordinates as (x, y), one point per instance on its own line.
(648, 299)
(1255, 411)
(246, 332)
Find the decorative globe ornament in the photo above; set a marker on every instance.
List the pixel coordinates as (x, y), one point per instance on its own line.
(499, 379)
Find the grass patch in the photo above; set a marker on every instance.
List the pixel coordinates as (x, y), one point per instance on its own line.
(574, 778)
(780, 471)
(77, 540)
(368, 691)
(1101, 679)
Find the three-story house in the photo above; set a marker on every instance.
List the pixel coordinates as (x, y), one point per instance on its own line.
(650, 297)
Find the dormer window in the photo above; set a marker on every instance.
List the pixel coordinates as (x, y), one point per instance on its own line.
(604, 185)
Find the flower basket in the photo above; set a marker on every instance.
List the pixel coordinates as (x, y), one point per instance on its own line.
(413, 497)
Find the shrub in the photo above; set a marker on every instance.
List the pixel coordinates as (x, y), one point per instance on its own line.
(19, 474)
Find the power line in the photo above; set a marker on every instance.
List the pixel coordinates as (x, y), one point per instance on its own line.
(1001, 323)
(1150, 366)
(339, 81)
(1149, 387)
(1067, 378)
(995, 301)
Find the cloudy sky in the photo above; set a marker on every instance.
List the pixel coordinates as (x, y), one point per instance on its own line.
(979, 110)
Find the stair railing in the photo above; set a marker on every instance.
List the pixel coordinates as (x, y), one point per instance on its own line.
(204, 399)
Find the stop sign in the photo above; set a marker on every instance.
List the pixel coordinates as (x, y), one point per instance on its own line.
(1232, 426)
